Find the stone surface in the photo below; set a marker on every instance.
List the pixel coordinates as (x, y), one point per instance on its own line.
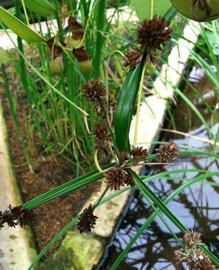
(16, 250)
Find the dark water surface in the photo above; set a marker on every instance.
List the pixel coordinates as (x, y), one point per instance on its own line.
(197, 207)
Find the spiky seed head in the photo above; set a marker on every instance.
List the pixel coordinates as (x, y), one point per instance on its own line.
(87, 220)
(116, 178)
(167, 152)
(152, 34)
(139, 154)
(94, 90)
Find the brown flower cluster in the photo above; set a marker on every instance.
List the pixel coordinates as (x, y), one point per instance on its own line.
(139, 154)
(192, 239)
(94, 90)
(15, 216)
(133, 57)
(195, 258)
(118, 177)
(101, 135)
(152, 34)
(167, 152)
(87, 220)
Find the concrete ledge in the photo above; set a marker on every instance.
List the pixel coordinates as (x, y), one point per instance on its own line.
(16, 245)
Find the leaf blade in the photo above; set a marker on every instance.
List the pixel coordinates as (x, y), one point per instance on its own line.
(19, 28)
(41, 7)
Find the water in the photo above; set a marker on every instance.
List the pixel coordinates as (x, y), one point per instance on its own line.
(197, 207)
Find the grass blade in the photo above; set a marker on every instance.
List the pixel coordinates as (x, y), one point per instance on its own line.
(65, 188)
(18, 27)
(41, 7)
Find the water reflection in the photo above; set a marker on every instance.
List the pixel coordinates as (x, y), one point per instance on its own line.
(197, 208)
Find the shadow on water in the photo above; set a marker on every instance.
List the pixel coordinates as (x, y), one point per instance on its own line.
(197, 207)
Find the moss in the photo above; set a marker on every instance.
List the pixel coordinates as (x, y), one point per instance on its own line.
(62, 261)
(77, 252)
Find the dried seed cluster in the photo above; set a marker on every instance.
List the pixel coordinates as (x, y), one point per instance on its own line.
(81, 54)
(101, 134)
(87, 220)
(94, 90)
(192, 239)
(167, 152)
(56, 50)
(133, 57)
(15, 216)
(152, 34)
(195, 258)
(139, 154)
(118, 177)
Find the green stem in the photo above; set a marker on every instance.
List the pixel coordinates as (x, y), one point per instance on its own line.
(25, 12)
(100, 24)
(23, 74)
(100, 198)
(152, 9)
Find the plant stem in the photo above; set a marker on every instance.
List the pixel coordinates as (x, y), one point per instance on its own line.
(101, 197)
(25, 12)
(23, 74)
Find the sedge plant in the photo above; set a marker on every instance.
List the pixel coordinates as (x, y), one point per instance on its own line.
(110, 130)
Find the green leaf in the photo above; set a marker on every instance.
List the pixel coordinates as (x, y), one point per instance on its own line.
(65, 188)
(146, 9)
(125, 108)
(18, 27)
(149, 194)
(41, 7)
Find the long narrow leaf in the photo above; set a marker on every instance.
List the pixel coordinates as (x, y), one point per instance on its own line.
(125, 108)
(18, 27)
(64, 189)
(150, 219)
(41, 7)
